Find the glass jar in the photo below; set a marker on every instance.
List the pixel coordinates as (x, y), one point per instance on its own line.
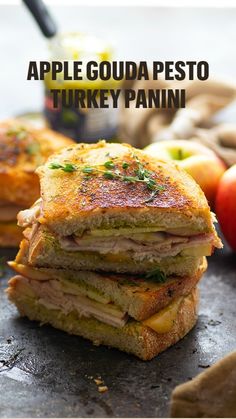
(81, 124)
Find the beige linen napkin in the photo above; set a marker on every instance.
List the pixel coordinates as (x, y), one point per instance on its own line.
(141, 127)
(212, 394)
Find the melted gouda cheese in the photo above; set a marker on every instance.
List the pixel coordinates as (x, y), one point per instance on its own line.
(164, 320)
(197, 251)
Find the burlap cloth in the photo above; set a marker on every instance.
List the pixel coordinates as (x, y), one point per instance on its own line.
(204, 99)
(211, 394)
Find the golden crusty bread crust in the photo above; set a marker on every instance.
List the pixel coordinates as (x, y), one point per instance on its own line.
(134, 337)
(74, 202)
(22, 150)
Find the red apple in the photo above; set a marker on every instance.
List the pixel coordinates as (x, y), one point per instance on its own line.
(226, 206)
(199, 161)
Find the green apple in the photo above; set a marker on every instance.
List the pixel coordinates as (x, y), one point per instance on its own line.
(199, 161)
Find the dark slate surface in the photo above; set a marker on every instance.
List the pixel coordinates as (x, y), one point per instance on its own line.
(47, 373)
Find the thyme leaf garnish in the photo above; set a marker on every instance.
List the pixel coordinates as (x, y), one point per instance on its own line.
(141, 174)
(109, 175)
(156, 275)
(33, 149)
(67, 167)
(109, 164)
(88, 170)
(125, 165)
(20, 133)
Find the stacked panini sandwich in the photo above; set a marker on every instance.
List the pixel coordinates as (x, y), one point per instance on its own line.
(114, 248)
(22, 149)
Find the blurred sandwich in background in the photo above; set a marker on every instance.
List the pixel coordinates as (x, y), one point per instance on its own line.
(22, 149)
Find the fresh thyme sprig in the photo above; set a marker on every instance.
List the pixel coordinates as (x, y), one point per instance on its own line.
(156, 275)
(125, 165)
(20, 133)
(109, 164)
(33, 149)
(67, 167)
(141, 174)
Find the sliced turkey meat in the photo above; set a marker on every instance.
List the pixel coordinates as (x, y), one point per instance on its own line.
(150, 244)
(50, 294)
(29, 216)
(163, 244)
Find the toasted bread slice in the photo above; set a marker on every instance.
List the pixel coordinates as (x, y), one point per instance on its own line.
(135, 337)
(23, 149)
(87, 195)
(138, 296)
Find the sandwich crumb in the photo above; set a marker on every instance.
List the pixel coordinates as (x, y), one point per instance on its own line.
(102, 389)
(98, 381)
(96, 343)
